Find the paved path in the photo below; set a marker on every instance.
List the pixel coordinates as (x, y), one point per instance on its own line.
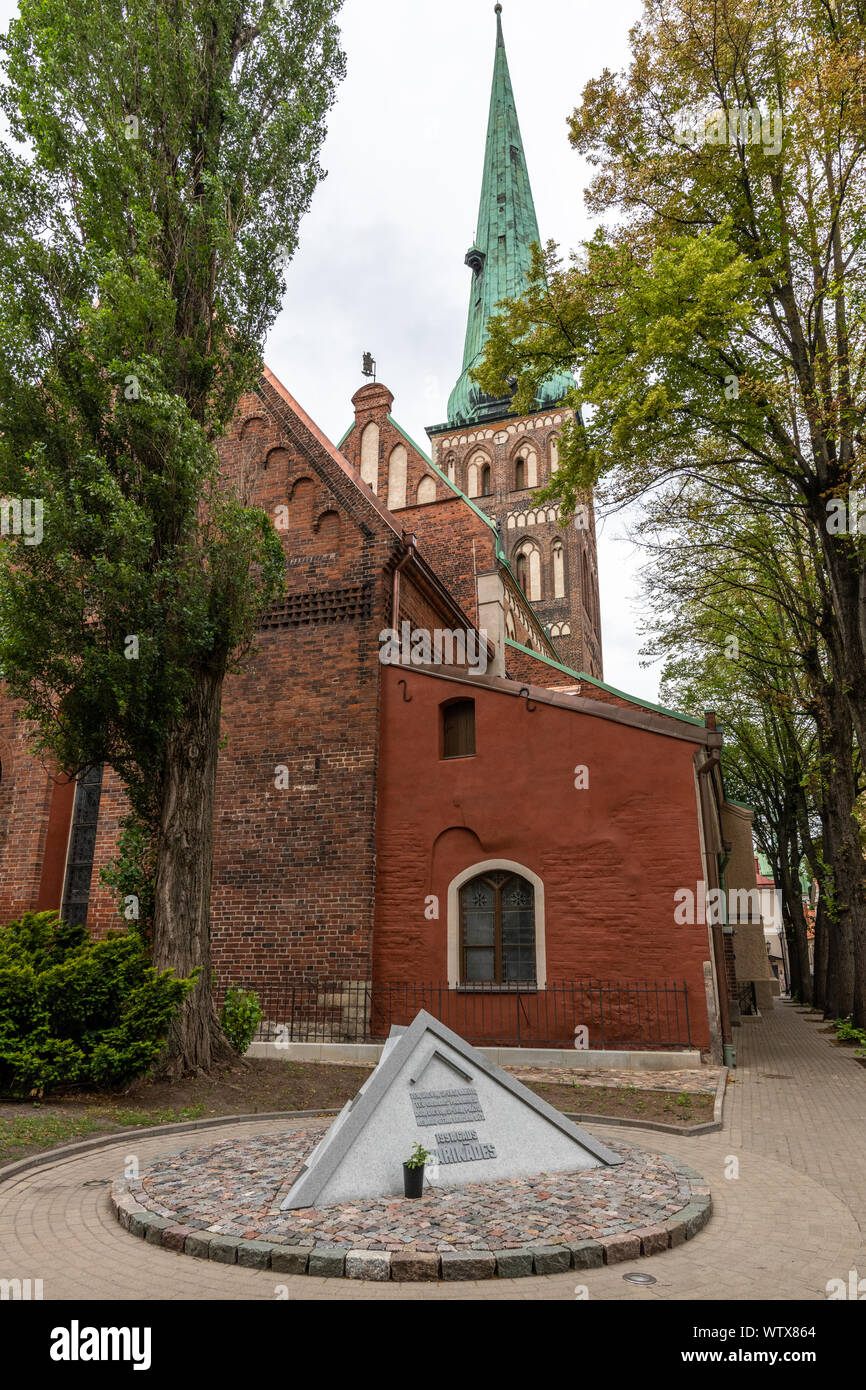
(793, 1219)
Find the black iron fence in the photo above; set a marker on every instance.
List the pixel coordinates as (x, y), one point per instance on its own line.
(600, 1014)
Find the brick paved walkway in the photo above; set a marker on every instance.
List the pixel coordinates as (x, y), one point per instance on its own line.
(794, 1218)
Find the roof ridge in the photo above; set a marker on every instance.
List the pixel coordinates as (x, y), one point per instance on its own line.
(611, 689)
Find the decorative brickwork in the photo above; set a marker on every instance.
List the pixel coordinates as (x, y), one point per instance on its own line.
(520, 454)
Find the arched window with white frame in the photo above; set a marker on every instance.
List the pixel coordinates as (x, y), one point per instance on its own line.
(528, 570)
(496, 934)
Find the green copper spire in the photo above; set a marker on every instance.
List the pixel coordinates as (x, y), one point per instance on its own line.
(499, 259)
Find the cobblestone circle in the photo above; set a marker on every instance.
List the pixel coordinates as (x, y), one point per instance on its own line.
(222, 1203)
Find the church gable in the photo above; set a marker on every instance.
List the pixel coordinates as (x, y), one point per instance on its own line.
(387, 459)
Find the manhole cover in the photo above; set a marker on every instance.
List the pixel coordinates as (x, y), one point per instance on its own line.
(96, 1182)
(776, 1076)
(639, 1279)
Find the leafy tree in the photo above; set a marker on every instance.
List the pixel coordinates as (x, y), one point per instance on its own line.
(166, 155)
(737, 612)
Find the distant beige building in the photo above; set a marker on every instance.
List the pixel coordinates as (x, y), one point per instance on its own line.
(751, 913)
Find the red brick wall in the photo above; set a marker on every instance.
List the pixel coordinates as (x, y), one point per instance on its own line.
(25, 800)
(610, 857)
(456, 543)
(294, 866)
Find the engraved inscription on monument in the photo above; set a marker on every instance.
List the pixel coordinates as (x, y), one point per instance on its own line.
(461, 1146)
(446, 1107)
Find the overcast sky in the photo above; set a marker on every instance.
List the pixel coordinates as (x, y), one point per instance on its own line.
(380, 265)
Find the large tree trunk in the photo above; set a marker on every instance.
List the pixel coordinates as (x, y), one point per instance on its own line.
(843, 885)
(821, 952)
(846, 912)
(840, 957)
(847, 602)
(793, 898)
(184, 865)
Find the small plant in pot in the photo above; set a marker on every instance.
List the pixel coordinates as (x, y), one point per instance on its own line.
(413, 1172)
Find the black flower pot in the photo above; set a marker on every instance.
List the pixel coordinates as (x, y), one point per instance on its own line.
(413, 1181)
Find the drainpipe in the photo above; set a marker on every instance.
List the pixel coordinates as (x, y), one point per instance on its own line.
(713, 759)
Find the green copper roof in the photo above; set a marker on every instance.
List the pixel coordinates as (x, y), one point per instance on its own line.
(593, 680)
(500, 258)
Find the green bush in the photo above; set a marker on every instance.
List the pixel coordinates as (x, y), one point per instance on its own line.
(846, 1032)
(240, 1017)
(74, 1011)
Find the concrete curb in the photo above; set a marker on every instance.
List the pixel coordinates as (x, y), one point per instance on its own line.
(710, 1127)
(339, 1262)
(368, 1054)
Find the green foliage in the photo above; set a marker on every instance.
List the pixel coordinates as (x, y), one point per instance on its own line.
(240, 1016)
(418, 1157)
(167, 155)
(131, 876)
(846, 1031)
(74, 1011)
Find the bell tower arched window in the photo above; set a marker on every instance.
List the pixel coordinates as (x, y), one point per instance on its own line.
(528, 569)
(520, 475)
(497, 929)
(558, 569)
(485, 480)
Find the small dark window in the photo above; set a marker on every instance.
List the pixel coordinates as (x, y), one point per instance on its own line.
(458, 729)
(520, 474)
(485, 480)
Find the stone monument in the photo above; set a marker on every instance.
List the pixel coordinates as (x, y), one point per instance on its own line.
(477, 1122)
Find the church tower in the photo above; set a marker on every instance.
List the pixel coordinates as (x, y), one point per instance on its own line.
(496, 457)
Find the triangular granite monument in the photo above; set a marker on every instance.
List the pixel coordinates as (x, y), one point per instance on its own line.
(431, 1087)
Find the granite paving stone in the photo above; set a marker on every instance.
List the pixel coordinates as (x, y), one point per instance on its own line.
(230, 1190)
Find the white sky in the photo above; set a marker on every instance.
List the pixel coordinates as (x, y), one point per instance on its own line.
(380, 265)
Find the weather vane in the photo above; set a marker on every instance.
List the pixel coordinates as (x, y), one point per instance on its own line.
(368, 366)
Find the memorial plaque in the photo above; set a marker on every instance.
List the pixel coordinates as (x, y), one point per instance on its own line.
(446, 1107)
(485, 1125)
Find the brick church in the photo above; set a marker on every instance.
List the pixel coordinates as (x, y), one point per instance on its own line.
(502, 828)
